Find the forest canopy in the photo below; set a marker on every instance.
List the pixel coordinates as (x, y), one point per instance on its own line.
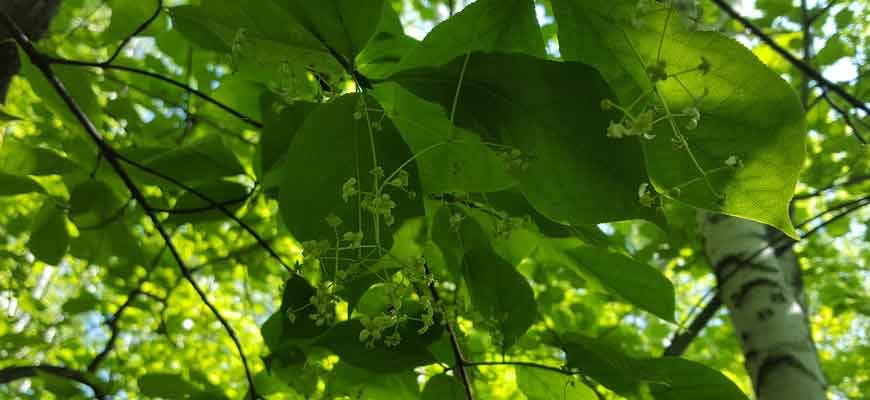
(434, 199)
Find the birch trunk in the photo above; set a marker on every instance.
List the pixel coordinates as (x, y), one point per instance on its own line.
(766, 305)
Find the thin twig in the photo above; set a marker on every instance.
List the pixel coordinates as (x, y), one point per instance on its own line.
(211, 202)
(113, 159)
(154, 75)
(793, 60)
(113, 320)
(849, 182)
(523, 364)
(138, 30)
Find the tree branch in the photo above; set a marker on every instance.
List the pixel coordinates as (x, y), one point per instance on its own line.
(113, 159)
(461, 363)
(112, 321)
(797, 63)
(849, 182)
(136, 32)
(211, 202)
(523, 364)
(10, 374)
(173, 82)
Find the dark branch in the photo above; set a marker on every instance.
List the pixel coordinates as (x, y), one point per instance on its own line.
(10, 374)
(113, 159)
(849, 182)
(112, 321)
(211, 202)
(461, 363)
(523, 364)
(681, 340)
(842, 112)
(793, 60)
(138, 30)
(194, 210)
(173, 82)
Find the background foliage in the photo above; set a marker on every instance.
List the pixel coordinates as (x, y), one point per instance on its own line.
(558, 278)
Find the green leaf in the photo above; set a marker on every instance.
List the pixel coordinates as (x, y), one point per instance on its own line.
(331, 147)
(602, 362)
(11, 185)
(94, 204)
(449, 158)
(192, 208)
(382, 55)
(126, 16)
(49, 237)
(343, 25)
(7, 117)
(447, 240)
(638, 283)
(98, 243)
(675, 379)
(540, 384)
(296, 299)
(265, 34)
(346, 381)
(22, 159)
(343, 340)
(199, 161)
(490, 279)
(166, 385)
(571, 167)
(746, 109)
(280, 124)
(85, 301)
(506, 26)
(77, 82)
(443, 387)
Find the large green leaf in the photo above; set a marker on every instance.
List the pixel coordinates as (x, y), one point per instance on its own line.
(199, 161)
(94, 204)
(638, 283)
(507, 26)
(553, 116)
(347, 381)
(334, 145)
(602, 362)
(49, 237)
(674, 378)
(381, 57)
(443, 387)
(541, 384)
(343, 25)
(22, 159)
(11, 185)
(746, 110)
(77, 82)
(280, 124)
(265, 34)
(449, 158)
(500, 293)
(343, 339)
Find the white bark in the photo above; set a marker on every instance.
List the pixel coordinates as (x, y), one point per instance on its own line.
(764, 298)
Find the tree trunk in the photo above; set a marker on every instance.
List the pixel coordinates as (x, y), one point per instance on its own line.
(33, 16)
(766, 304)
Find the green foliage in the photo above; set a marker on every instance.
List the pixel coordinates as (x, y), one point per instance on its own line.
(486, 190)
